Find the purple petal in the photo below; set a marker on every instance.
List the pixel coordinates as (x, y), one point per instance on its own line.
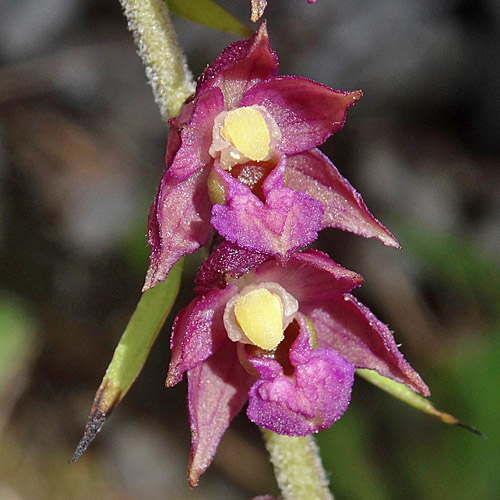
(177, 123)
(348, 327)
(178, 224)
(217, 390)
(240, 66)
(314, 174)
(227, 260)
(287, 220)
(198, 332)
(306, 112)
(312, 399)
(276, 178)
(310, 276)
(196, 135)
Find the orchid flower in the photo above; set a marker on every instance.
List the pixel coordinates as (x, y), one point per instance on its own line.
(242, 159)
(286, 338)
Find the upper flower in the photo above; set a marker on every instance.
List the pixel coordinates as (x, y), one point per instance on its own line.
(241, 158)
(285, 338)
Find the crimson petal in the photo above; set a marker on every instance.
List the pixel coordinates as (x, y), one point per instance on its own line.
(196, 135)
(314, 174)
(310, 276)
(351, 329)
(227, 260)
(178, 224)
(306, 112)
(217, 390)
(240, 66)
(198, 332)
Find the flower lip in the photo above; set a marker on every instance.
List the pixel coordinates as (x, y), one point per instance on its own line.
(247, 313)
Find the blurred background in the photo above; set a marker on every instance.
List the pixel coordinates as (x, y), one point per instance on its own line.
(81, 153)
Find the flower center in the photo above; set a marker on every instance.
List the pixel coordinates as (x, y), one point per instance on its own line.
(259, 314)
(246, 129)
(246, 134)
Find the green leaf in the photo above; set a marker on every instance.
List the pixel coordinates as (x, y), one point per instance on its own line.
(210, 14)
(404, 393)
(131, 352)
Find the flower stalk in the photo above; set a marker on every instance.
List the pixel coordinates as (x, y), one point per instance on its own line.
(297, 467)
(165, 64)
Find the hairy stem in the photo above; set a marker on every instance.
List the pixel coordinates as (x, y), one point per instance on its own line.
(165, 63)
(297, 467)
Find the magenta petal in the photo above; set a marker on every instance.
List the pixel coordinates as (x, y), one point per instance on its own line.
(317, 395)
(276, 178)
(314, 174)
(217, 390)
(198, 332)
(306, 112)
(227, 260)
(310, 276)
(286, 221)
(196, 135)
(348, 327)
(178, 224)
(240, 66)
(177, 123)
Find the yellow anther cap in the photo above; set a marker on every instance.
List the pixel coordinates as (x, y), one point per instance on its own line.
(246, 129)
(259, 314)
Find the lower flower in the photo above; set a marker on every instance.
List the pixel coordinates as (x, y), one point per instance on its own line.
(285, 338)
